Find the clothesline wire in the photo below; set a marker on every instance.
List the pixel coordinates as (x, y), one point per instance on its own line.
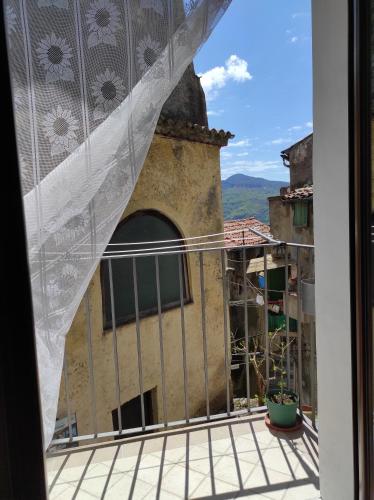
(75, 256)
(225, 233)
(140, 251)
(189, 245)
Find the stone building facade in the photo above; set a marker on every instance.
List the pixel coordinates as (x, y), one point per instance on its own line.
(291, 220)
(298, 158)
(242, 295)
(180, 181)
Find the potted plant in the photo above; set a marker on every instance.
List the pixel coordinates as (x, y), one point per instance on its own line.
(282, 403)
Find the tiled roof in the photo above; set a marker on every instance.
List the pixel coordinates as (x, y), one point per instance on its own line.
(245, 237)
(192, 132)
(299, 194)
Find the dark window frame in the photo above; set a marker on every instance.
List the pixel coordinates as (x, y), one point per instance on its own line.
(22, 467)
(104, 279)
(360, 182)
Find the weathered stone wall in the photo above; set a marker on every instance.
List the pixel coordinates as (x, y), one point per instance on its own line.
(180, 179)
(281, 222)
(282, 228)
(300, 158)
(187, 101)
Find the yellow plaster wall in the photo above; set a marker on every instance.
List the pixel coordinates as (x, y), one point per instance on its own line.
(181, 179)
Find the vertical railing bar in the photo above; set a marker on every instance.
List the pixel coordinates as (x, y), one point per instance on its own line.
(246, 338)
(115, 345)
(287, 314)
(138, 341)
(203, 327)
(67, 401)
(299, 331)
(90, 361)
(225, 333)
(314, 394)
(170, 37)
(313, 372)
(266, 310)
(183, 330)
(161, 340)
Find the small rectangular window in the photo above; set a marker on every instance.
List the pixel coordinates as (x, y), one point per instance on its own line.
(300, 214)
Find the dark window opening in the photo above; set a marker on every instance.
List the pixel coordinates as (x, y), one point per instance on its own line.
(143, 227)
(131, 414)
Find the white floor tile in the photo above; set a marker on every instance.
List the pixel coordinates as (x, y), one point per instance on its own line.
(175, 481)
(257, 467)
(209, 488)
(304, 492)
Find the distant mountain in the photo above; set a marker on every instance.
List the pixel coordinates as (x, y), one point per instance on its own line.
(246, 196)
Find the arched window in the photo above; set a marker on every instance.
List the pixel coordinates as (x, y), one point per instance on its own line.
(143, 227)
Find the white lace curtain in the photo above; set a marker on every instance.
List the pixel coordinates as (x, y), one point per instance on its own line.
(89, 79)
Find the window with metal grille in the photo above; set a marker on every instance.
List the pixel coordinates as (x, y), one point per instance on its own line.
(145, 226)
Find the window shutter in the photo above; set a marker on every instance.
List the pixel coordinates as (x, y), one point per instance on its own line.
(300, 214)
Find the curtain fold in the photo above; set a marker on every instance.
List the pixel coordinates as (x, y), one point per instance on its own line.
(89, 79)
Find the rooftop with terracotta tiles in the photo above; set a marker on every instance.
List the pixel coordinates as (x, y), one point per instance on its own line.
(246, 237)
(299, 194)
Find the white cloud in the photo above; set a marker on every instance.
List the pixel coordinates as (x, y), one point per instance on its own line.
(242, 154)
(281, 140)
(295, 15)
(295, 127)
(294, 39)
(239, 144)
(217, 112)
(256, 167)
(235, 69)
(226, 154)
(309, 124)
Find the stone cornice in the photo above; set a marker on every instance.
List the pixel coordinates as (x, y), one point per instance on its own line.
(191, 132)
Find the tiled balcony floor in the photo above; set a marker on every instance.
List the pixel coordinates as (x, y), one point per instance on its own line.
(232, 459)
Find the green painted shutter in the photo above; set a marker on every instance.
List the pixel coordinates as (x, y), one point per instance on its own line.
(279, 321)
(300, 214)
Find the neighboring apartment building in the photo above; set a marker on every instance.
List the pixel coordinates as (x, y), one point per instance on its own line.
(291, 213)
(243, 293)
(291, 220)
(237, 270)
(178, 194)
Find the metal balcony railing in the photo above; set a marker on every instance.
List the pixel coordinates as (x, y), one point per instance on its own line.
(200, 254)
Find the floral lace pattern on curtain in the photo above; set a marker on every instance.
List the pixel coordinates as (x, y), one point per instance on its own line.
(89, 79)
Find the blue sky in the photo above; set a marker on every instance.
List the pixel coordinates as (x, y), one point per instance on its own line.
(257, 76)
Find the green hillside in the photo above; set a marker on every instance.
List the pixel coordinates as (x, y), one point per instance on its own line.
(245, 196)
